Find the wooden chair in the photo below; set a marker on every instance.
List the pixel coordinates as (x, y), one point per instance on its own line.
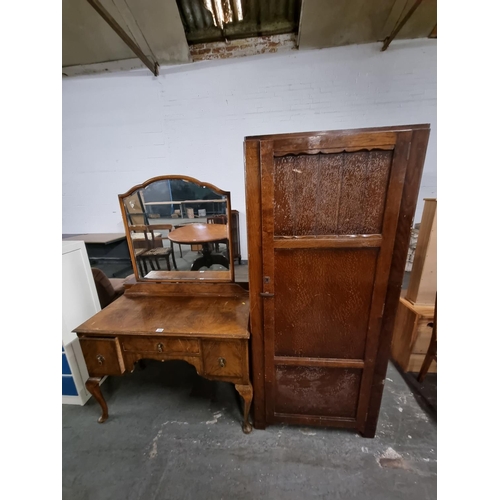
(432, 351)
(154, 247)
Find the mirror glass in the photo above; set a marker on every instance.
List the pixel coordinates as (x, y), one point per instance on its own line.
(178, 229)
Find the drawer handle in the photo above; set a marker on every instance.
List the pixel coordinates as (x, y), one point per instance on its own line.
(160, 347)
(100, 359)
(222, 362)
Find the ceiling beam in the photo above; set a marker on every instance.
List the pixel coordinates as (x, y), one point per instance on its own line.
(398, 27)
(152, 66)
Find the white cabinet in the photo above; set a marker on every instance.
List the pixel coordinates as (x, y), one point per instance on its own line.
(79, 303)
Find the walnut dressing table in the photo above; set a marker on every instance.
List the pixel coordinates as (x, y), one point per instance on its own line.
(200, 316)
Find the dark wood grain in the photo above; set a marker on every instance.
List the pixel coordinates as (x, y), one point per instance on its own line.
(391, 214)
(284, 197)
(267, 276)
(330, 194)
(225, 359)
(331, 293)
(331, 241)
(323, 362)
(315, 143)
(254, 238)
(246, 392)
(419, 141)
(378, 168)
(103, 356)
(318, 391)
(352, 200)
(186, 289)
(220, 317)
(340, 133)
(330, 171)
(330, 214)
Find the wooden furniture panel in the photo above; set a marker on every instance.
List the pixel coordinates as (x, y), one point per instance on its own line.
(416, 361)
(161, 344)
(224, 359)
(102, 356)
(332, 292)
(412, 335)
(431, 354)
(317, 391)
(332, 194)
(423, 278)
(329, 215)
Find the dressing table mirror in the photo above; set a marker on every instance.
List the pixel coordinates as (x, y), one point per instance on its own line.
(183, 303)
(178, 229)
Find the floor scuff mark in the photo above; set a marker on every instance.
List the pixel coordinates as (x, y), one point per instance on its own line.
(154, 450)
(307, 432)
(217, 415)
(390, 459)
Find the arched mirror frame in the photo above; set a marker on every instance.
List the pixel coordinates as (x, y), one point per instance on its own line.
(180, 276)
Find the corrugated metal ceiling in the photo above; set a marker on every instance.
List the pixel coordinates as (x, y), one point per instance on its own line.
(217, 20)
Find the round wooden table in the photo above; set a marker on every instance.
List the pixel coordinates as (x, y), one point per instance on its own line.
(198, 233)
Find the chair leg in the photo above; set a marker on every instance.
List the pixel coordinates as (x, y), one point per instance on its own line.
(173, 258)
(168, 262)
(429, 358)
(432, 350)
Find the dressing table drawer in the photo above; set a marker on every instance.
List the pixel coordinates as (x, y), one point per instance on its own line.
(102, 356)
(224, 358)
(161, 345)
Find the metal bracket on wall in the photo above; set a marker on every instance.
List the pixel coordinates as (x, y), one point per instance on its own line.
(153, 66)
(398, 27)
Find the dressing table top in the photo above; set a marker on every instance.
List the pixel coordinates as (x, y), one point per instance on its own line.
(197, 316)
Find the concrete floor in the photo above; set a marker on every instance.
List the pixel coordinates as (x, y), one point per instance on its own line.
(173, 435)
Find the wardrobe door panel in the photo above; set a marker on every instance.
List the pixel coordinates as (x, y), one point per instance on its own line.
(317, 391)
(331, 292)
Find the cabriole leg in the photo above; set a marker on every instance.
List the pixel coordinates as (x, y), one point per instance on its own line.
(246, 392)
(93, 387)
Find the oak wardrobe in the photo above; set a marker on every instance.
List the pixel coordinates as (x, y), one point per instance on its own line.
(328, 218)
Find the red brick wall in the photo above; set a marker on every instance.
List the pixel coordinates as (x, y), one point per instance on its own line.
(243, 47)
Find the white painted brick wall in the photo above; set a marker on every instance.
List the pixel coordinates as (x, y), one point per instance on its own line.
(123, 128)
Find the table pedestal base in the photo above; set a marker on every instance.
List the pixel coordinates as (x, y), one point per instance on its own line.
(209, 259)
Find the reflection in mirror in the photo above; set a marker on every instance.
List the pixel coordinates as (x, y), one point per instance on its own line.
(179, 229)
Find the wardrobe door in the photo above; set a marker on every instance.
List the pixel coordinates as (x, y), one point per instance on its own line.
(330, 205)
